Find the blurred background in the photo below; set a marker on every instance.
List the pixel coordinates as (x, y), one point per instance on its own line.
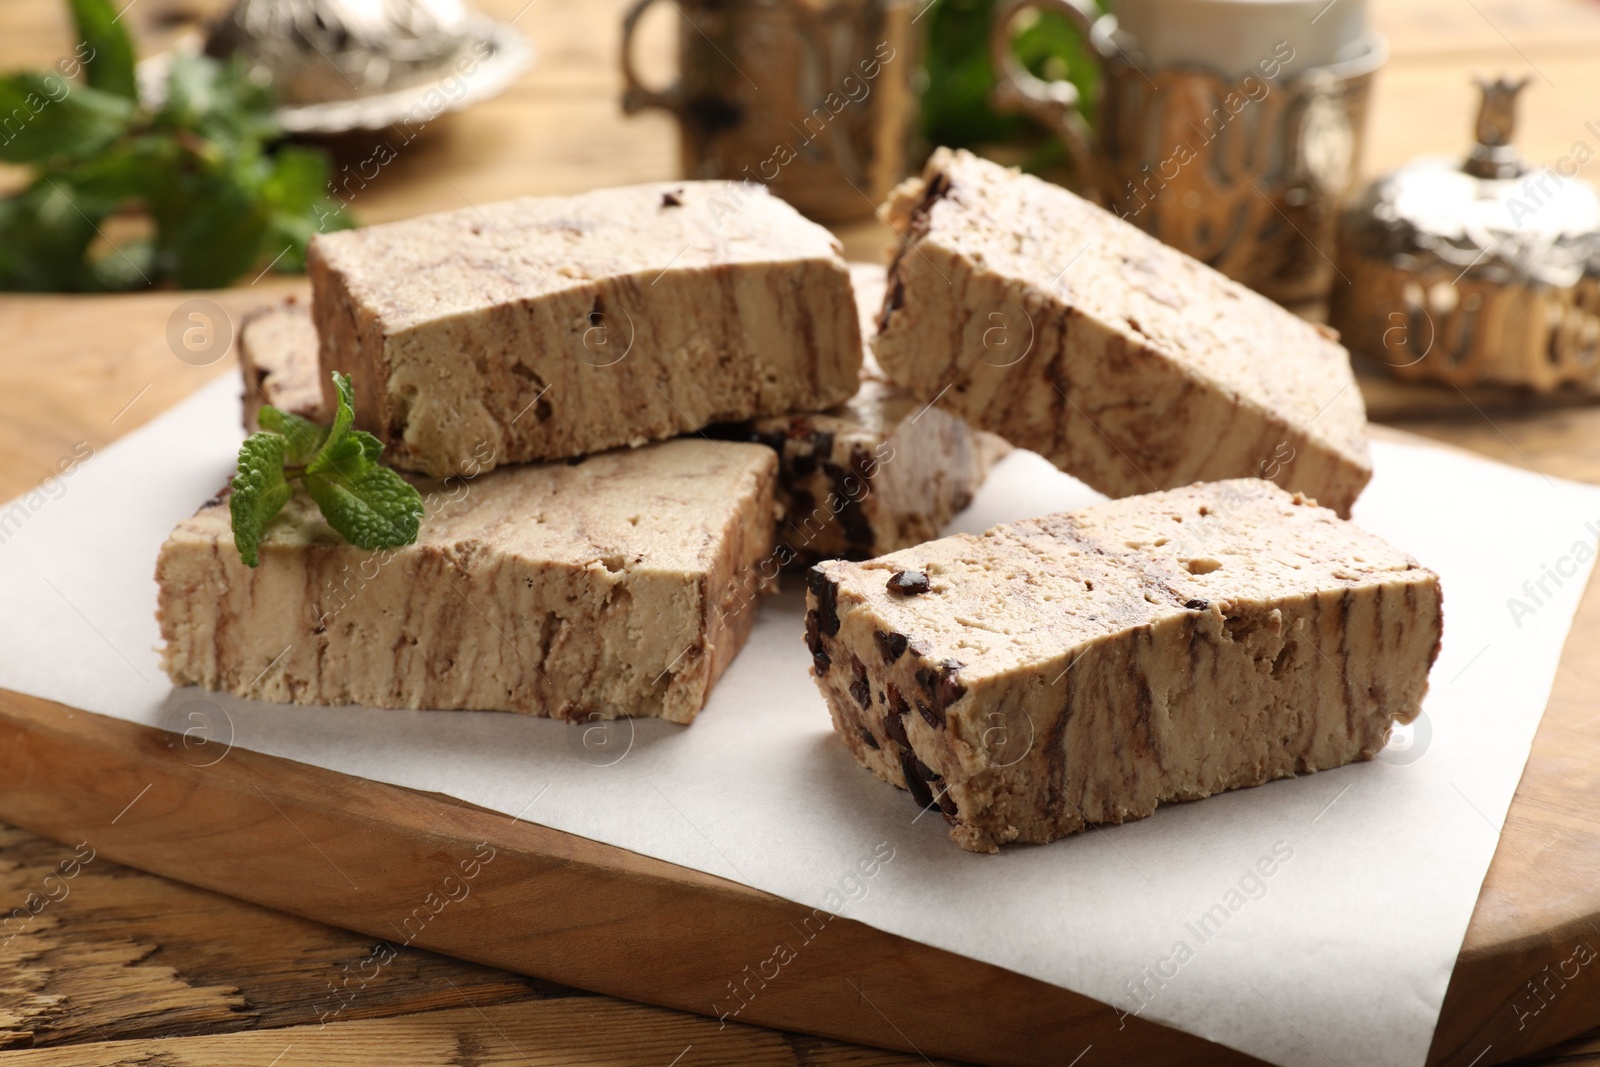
(1456, 310)
(558, 127)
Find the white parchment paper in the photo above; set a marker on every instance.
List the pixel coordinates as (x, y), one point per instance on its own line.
(1308, 922)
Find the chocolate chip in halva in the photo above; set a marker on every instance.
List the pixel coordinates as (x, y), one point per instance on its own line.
(894, 722)
(909, 583)
(917, 776)
(950, 690)
(827, 594)
(819, 654)
(862, 691)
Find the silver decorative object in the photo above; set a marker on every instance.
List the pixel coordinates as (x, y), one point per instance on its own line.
(1476, 271)
(319, 50)
(1245, 173)
(344, 65)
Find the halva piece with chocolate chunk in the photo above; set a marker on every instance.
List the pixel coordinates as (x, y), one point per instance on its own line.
(880, 472)
(1085, 667)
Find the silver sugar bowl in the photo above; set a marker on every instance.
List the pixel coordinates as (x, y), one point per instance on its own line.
(1476, 271)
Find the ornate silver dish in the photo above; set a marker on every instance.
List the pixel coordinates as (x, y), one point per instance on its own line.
(341, 66)
(1482, 270)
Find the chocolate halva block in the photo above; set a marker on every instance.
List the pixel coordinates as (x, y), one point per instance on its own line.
(622, 585)
(552, 327)
(1085, 667)
(1031, 312)
(880, 472)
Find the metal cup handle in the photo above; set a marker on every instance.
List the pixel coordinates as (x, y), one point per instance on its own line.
(636, 95)
(1053, 103)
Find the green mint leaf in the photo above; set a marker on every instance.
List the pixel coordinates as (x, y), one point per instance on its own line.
(47, 116)
(304, 436)
(191, 89)
(259, 492)
(298, 179)
(371, 447)
(344, 415)
(217, 100)
(130, 265)
(227, 202)
(135, 167)
(218, 235)
(339, 452)
(372, 508)
(105, 49)
(44, 234)
(370, 505)
(296, 190)
(346, 456)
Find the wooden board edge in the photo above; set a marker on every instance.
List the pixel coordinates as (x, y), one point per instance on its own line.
(414, 869)
(1508, 997)
(1529, 997)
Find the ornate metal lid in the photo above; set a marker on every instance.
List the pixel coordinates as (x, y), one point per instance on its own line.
(319, 50)
(1490, 216)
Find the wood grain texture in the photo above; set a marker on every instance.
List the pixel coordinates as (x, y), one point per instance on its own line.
(569, 1033)
(114, 953)
(122, 967)
(105, 964)
(376, 859)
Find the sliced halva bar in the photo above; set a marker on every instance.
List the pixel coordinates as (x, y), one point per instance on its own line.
(622, 585)
(1085, 667)
(1033, 313)
(552, 327)
(880, 472)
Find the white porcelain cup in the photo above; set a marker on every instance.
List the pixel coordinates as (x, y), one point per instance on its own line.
(1234, 36)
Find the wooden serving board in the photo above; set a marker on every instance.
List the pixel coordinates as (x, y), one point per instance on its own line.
(367, 856)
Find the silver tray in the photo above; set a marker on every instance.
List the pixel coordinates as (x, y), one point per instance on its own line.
(509, 54)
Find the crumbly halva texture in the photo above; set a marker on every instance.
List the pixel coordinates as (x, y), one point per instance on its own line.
(1033, 313)
(880, 472)
(552, 327)
(1085, 667)
(621, 585)
(278, 362)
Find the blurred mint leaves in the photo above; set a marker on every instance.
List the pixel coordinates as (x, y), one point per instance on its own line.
(126, 195)
(368, 504)
(960, 76)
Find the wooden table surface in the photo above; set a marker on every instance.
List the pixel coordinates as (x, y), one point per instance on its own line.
(130, 968)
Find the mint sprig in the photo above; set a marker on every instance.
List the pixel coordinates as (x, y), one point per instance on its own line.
(368, 504)
(200, 163)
